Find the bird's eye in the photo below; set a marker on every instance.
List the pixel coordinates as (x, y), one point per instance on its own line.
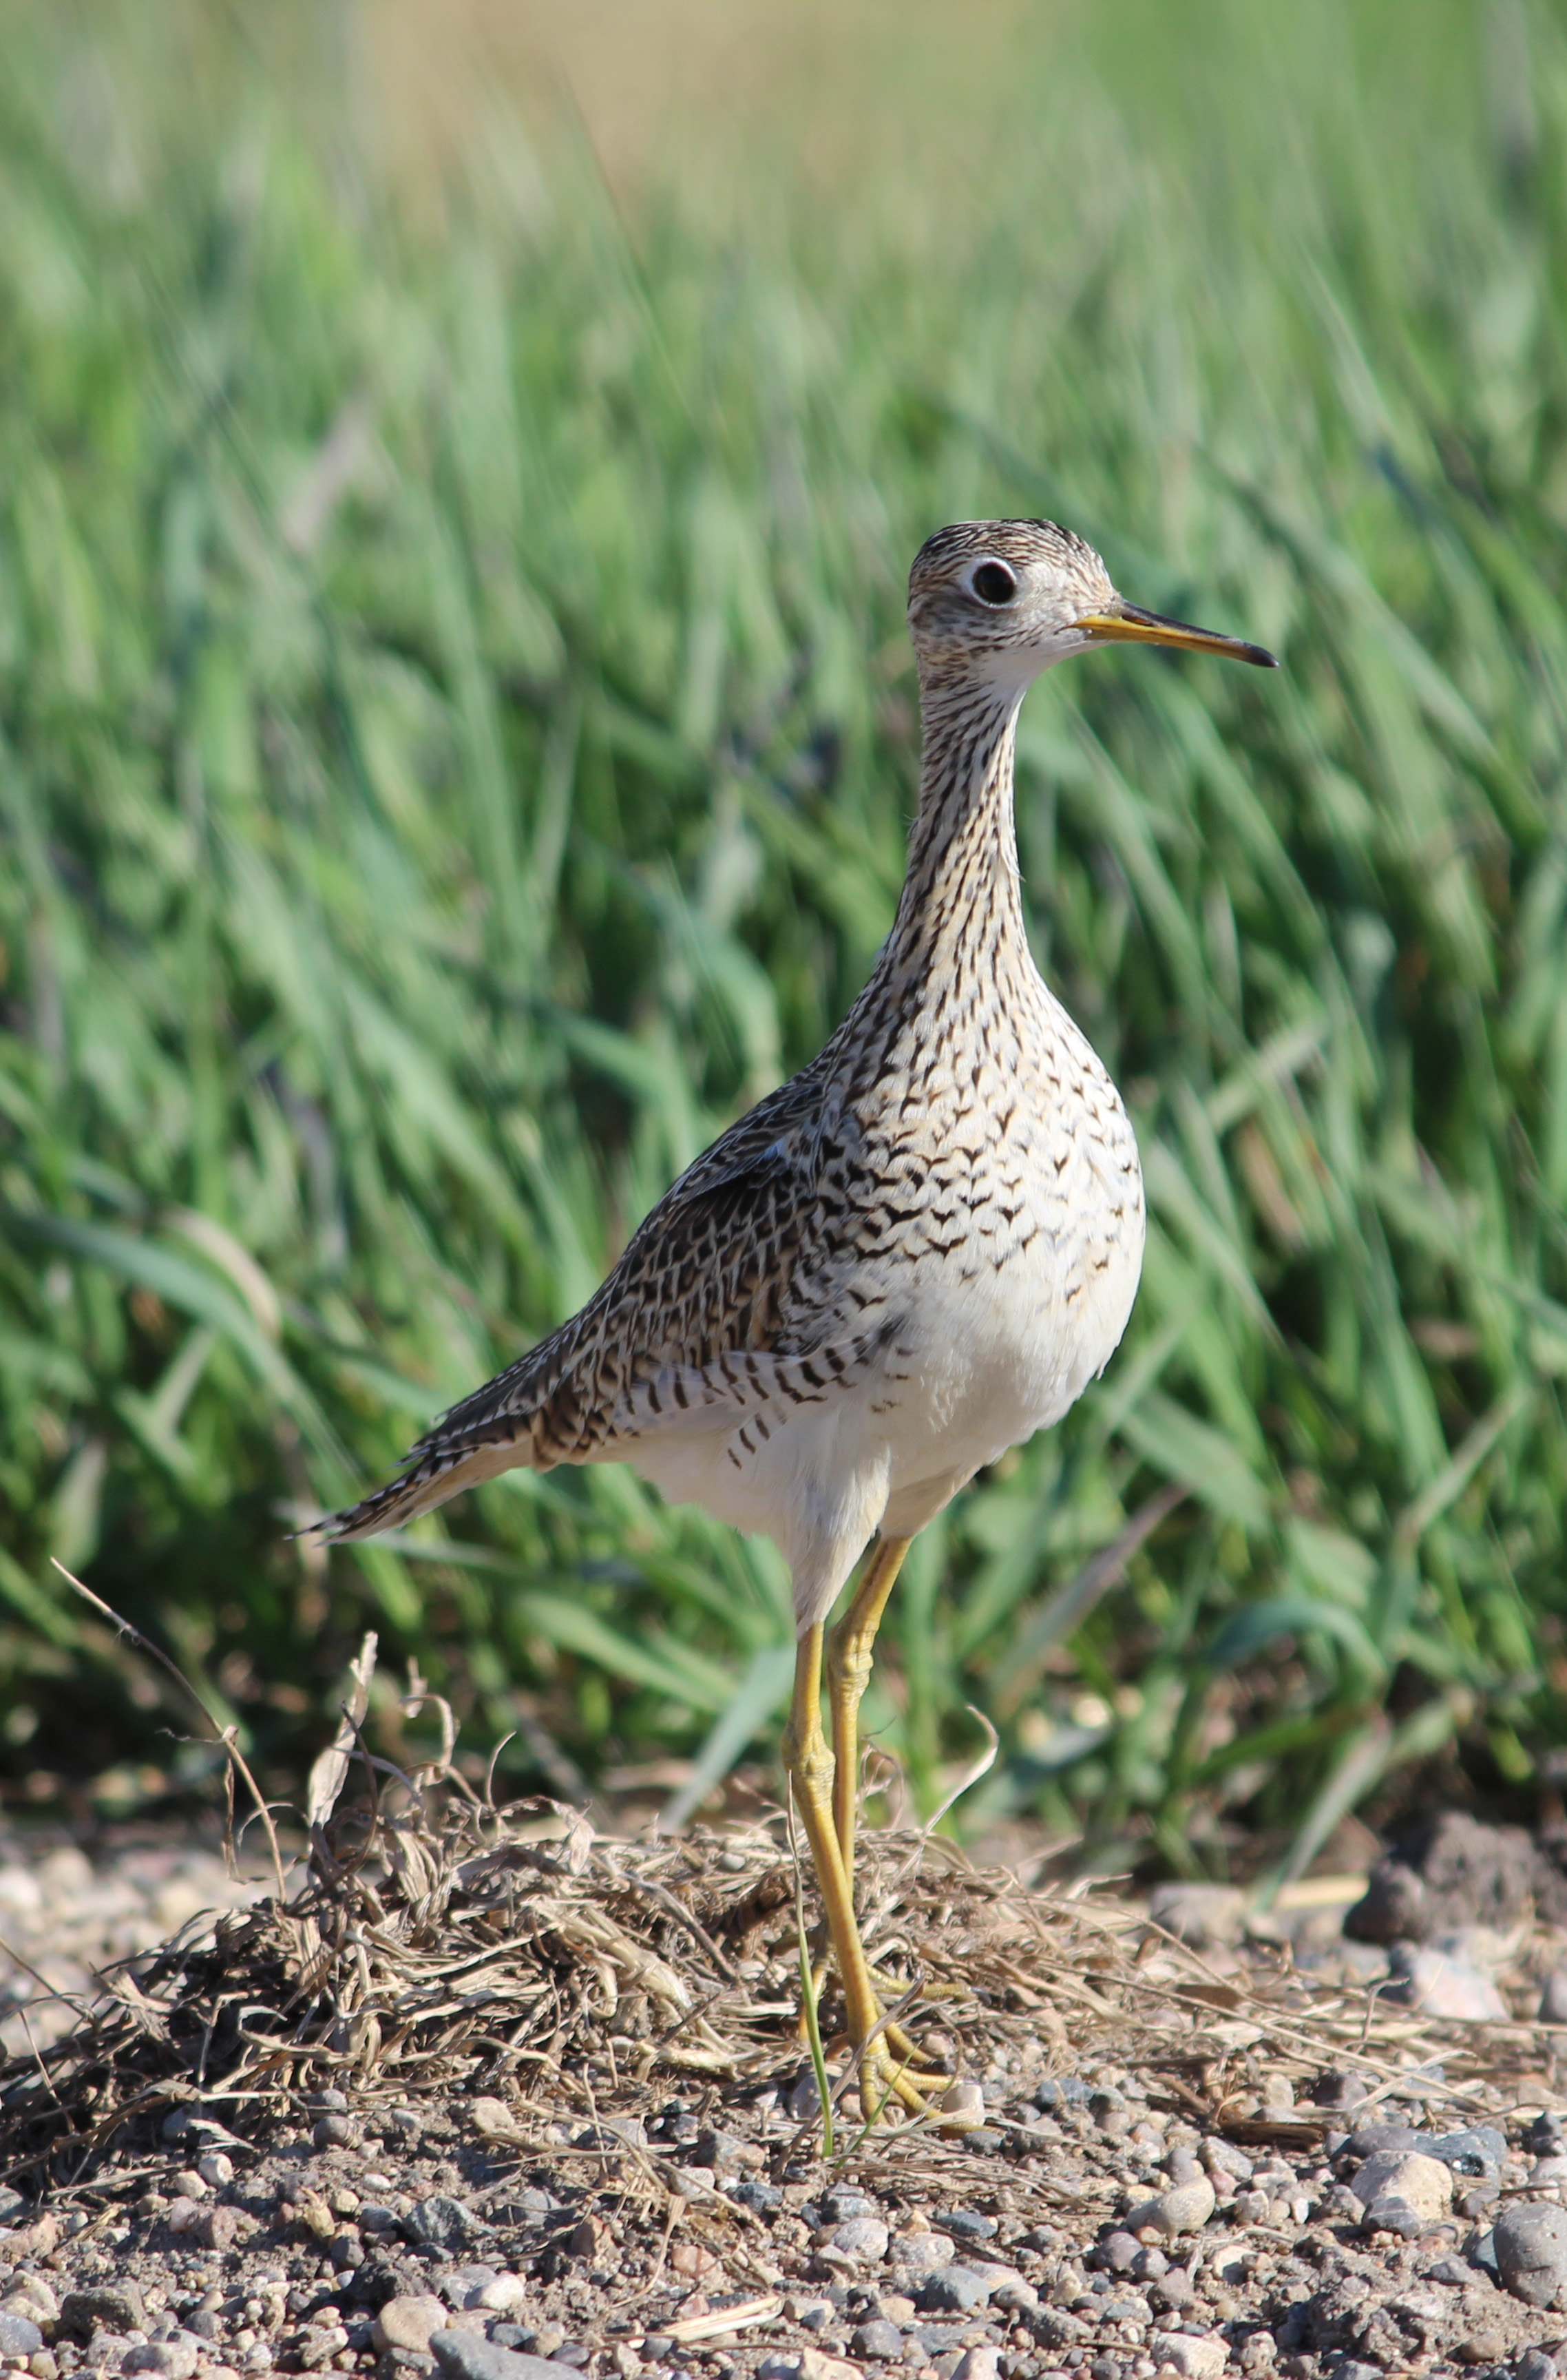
(994, 583)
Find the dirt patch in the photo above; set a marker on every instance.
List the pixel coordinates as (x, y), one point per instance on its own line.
(472, 2083)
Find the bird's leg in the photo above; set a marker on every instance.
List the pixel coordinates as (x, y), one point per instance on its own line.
(849, 1674)
(809, 1764)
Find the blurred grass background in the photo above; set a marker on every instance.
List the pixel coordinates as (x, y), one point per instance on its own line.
(458, 471)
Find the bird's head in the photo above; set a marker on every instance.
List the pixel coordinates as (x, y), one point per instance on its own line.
(1000, 601)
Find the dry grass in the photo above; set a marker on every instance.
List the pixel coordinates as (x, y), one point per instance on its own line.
(429, 1942)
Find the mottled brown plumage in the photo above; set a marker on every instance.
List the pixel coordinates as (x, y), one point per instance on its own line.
(906, 1259)
(955, 1166)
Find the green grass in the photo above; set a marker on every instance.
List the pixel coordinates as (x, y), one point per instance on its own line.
(456, 748)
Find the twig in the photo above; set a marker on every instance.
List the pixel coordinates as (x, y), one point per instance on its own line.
(227, 1736)
(666, 1900)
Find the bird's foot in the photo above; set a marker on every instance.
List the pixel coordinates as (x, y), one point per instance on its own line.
(886, 2087)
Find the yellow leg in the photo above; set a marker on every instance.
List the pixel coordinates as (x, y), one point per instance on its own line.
(809, 1764)
(849, 1674)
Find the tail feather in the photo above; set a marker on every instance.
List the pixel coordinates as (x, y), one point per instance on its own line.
(445, 1472)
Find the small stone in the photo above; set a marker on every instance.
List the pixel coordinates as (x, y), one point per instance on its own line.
(914, 2254)
(863, 2240)
(1537, 2363)
(962, 2107)
(1479, 2149)
(215, 2170)
(1224, 2157)
(1174, 2291)
(805, 2099)
(1531, 2251)
(409, 2321)
(469, 2355)
(31, 2294)
(1061, 2091)
(1370, 2138)
(1015, 2296)
(116, 2306)
(171, 2359)
(1553, 2005)
(1194, 2358)
(760, 2197)
(399, 2363)
(1442, 1986)
(844, 2206)
(878, 2342)
(1119, 2251)
(979, 2364)
(1403, 2192)
(438, 2223)
(504, 2294)
(19, 2336)
(1185, 2208)
(1209, 1916)
(957, 2290)
(968, 2223)
(333, 2132)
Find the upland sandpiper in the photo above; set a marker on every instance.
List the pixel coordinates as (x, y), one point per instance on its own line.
(903, 1262)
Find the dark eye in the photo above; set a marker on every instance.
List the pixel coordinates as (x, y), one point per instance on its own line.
(994, 583)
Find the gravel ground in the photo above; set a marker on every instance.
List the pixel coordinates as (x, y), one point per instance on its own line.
(1223, 2196)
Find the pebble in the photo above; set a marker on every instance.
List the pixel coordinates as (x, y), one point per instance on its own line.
(1403, 2192)
(333, 2132)
(116, 2307)
(914, 2254)
(1442, 1986)
(760, 2197)
(805, 2099)
(877, 2341)
(409, 2321)
(1186, 2207)
(979, 2364)
(1061, 2091)
(1119, 2251)
(843, 2206)
(1479, 2149)
(962, 2107)
(171, 2359)
(215, 2170)
(19, 2336)
(1372, 2137)
(1531, 2251)
(863, 2240)
(1194, 2359)
(809, 2364)
(469, 2355)
(441, 2222)
(968, 2223)
(1537, 2363)
(507, 2293)
(1553, 1997)
(957, 2290)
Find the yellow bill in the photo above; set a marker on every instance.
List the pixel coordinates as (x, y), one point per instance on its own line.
(1125, 625)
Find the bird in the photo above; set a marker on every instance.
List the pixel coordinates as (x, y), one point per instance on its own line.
(900, 1264)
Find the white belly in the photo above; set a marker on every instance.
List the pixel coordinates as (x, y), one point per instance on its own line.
(995, 1347)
